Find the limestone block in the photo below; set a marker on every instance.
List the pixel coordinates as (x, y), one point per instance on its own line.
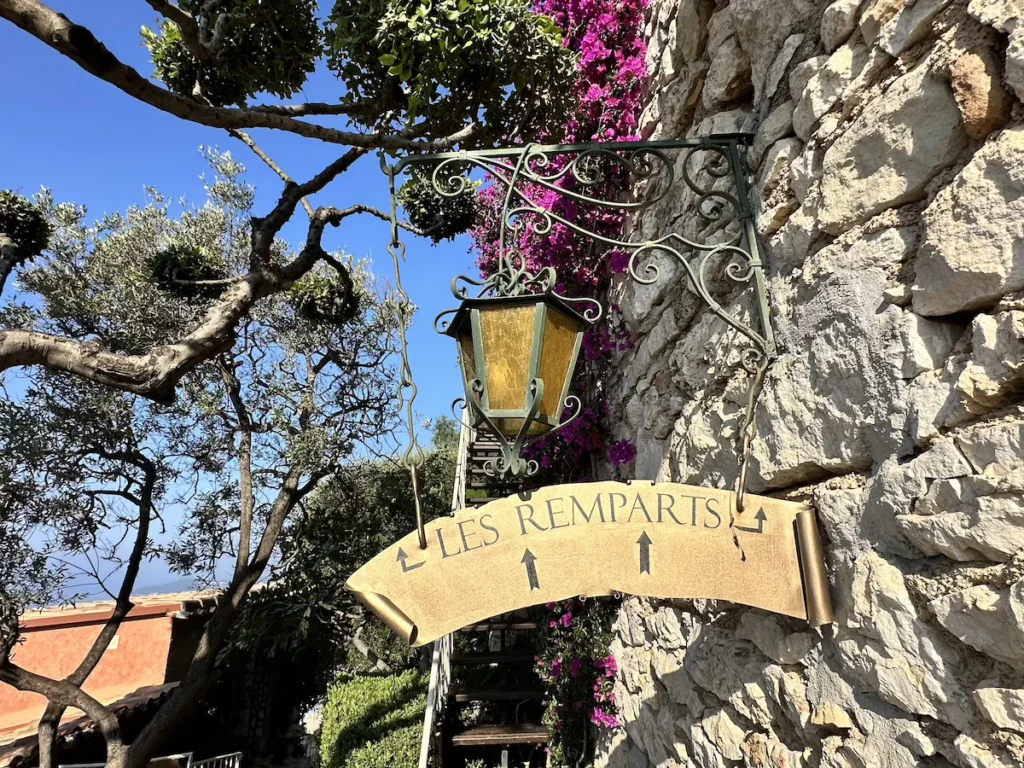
(978, 90)
(832, 716)
(888, 155)
(777, 71)
(838, 22)
(943, 461)
(995, 374)
(1004, 707)
(650, 118)
(762, 27)
(973, 754)
(728, 77)
(692, 28)
(805, 172)
(1015, 61)
(840, 512)
(729, 668)
(791, 244)
(927, 343)
(768, 752)
(988, 619)
(973, 247)
(722, 731)
(1001, 14)
(994, 449)
(778, 125)
(720, 29)
(935, 402)
(965, 519)
(876, 14)
(826, 87)
(764, 631)
(777, 200)
(912, 25)
(818, 413)
(677, 102)
(802, 74)
(883, 642)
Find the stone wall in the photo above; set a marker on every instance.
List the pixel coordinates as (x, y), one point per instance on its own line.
(890, 168)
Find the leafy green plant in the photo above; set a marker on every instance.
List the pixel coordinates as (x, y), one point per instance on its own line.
(440, 216)
(452, 61)
(23, 223)
(264, 46)
(374, 722)
(180, 270)
(320, 297)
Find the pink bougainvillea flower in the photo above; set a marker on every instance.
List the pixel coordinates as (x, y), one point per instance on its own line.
(622, 452)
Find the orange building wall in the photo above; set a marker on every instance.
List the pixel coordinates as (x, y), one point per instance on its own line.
(139, 660)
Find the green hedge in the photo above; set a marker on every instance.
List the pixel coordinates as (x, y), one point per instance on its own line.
(374, 722)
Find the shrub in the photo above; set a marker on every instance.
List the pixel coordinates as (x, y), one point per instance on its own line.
(440, 216)
(374, 722)
(22, 221)
(174, 268)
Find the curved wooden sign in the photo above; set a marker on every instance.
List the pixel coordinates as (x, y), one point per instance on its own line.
(660, 540)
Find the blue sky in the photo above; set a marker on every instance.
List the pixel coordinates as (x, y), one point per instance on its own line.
(96, 146)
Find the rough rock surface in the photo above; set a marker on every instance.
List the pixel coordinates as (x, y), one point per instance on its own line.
(890, 153)
(972, 251)
(888, 159)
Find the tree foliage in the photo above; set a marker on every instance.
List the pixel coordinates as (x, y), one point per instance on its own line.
(441, 216)
(452, 61)
(87, 470)
(24, 224)
(252, 46)
(363, 508)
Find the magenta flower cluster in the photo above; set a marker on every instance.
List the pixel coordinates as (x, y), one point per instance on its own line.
(608, 92)
(622, 452)
(579, 675)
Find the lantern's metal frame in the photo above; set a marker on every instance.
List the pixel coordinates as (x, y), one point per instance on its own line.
(526, 170)
(511, 462)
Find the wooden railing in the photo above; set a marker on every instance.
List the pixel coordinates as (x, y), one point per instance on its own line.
(441, 666)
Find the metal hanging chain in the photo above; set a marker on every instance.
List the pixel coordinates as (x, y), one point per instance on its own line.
(414, 457)
(748, 431)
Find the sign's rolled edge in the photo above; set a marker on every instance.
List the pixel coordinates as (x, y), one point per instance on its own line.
(811, 555)
(390, 614)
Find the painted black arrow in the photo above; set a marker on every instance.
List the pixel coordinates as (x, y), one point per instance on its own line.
(760, 517)
(645, 552)
(403, 559)
(530, 560)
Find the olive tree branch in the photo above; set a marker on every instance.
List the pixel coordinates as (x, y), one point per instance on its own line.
(69, 695)
(156, 373)
(81, 46)
(55, 707)
(244, 427)
(247, 140)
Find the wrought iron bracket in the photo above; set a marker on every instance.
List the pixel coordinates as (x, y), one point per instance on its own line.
(712, 169)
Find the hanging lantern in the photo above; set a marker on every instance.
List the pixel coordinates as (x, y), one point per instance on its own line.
(517, 356)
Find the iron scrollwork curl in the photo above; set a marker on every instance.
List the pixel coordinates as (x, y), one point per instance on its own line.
(576, 172)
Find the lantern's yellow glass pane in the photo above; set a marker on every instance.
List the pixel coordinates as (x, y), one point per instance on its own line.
(556, 356)
(507, 337)
(510, 427)
(467, 355)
